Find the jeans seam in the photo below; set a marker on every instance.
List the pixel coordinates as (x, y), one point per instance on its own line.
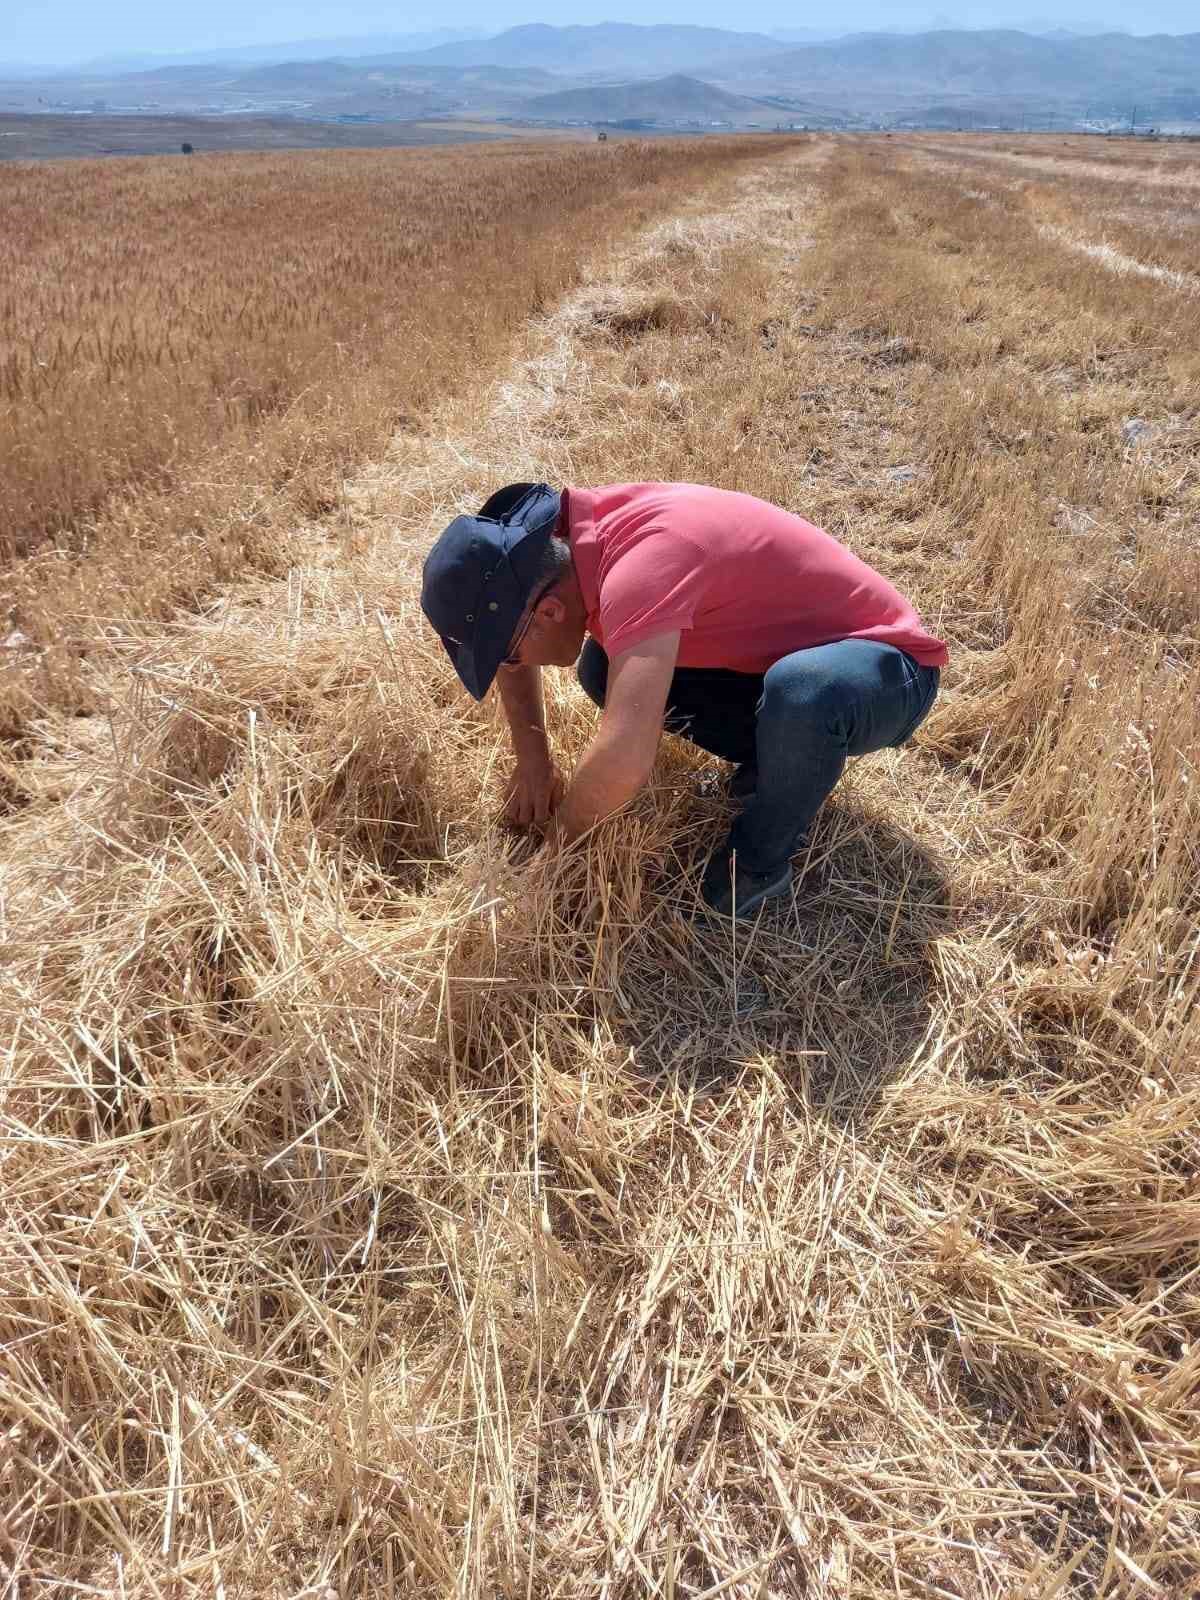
(922, 711)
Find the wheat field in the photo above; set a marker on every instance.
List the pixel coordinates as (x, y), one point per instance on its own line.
(388, 1211)
(194, 352)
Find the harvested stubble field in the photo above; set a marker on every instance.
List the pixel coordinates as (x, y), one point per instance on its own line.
(387, 1215)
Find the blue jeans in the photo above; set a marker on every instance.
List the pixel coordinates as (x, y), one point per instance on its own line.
(796, 723)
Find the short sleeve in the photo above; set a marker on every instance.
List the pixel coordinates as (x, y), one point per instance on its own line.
(655, 587)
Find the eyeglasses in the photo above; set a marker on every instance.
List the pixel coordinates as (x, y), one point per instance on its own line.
(510, 660)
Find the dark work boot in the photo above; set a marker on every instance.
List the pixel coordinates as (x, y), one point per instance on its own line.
(731, 890)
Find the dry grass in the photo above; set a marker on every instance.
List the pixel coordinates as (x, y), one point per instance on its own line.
(385, 1215)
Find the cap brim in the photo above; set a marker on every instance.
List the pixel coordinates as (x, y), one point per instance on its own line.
(476, 664)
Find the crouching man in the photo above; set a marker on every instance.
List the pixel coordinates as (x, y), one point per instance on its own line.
(711, 614)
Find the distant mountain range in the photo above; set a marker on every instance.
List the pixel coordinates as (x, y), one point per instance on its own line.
(606, 47)
(669, 75)
(372, 44)
(1105, 71)
(377, 44)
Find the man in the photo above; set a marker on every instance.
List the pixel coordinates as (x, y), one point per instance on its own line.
(715, 615)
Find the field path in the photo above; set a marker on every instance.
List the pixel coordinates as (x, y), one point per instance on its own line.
(560, 391)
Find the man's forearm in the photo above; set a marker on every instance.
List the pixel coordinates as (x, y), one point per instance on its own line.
(606, 778)
(521, 696)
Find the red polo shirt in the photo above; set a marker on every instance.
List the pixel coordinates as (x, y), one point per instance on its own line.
(744, 581)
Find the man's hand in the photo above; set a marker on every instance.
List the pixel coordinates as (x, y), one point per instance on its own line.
(535, 791)
(535, 787)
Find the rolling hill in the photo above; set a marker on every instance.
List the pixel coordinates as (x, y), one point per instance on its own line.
(675, 98)
(400, 87)
(295, 75)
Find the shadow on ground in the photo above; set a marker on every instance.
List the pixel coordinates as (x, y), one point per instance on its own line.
(833, 986)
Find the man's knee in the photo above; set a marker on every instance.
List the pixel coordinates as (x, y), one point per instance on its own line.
(854, 692)
(806, 686)
(592, 671)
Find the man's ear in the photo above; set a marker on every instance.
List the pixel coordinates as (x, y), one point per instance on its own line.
(551, 609)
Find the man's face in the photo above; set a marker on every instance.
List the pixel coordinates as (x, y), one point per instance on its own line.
(554, 636)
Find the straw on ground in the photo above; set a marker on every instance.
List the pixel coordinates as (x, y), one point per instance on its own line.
(385, 1214)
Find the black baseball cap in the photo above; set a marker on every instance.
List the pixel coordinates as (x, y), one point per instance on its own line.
(481, 573)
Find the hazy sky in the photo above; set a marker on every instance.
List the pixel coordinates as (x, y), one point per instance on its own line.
(71, 30)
